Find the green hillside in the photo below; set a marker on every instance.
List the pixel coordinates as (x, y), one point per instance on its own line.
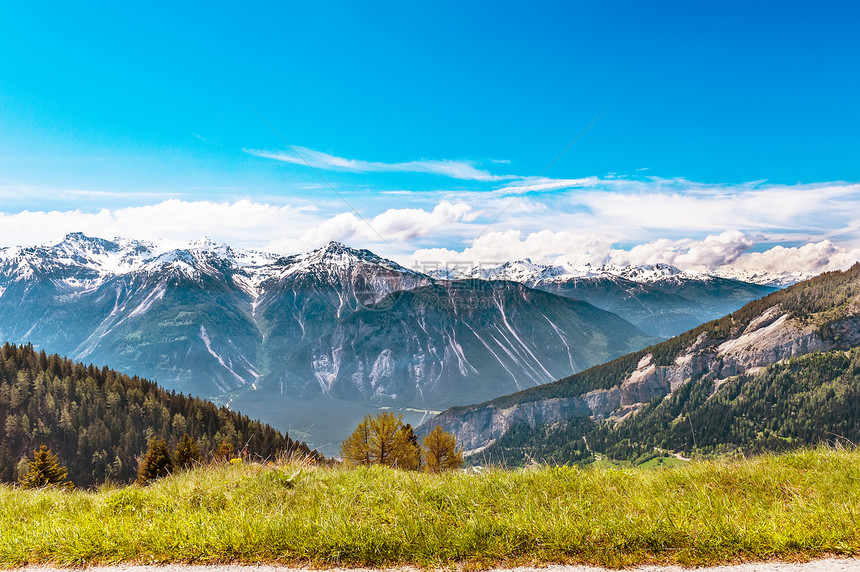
(809, 399)
(823, 300)
(806, 401)
(99, 421)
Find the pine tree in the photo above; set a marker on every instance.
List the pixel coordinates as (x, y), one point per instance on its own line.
(356, 448)
(156, 463)
(382, 440)
(187, 453)
(224, 451)
(440, 451)
(100, 422)
(406, 453)
(45, 470)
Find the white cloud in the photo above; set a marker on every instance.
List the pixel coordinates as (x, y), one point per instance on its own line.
(639, 212)
(685, 206)
(808, 228)
(392, 226)
(240, 222)
(542, 246)
(812, 258)
(546, 184)
(715, 250)
(30, 192)
(244, 223)
(692, 224)
(713, 253)
(464, 170)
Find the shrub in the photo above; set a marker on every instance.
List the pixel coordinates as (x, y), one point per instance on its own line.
(187, 453)
(156, 463)
(45, 470)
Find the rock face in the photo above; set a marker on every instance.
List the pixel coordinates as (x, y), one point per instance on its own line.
(340, 322)
(453, 342)
(770, 337)
(340, 326)
(659, 299)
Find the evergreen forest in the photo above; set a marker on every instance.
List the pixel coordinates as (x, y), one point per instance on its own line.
(806, 401)
(99, 421)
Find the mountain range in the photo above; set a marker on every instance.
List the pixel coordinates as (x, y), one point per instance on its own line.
(324, 337)
(659, 299)
(782, 371)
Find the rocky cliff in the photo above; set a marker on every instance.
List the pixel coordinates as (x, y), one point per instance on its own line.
(775, 329)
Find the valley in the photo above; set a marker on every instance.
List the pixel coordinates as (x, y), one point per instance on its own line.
(311, 343)
(429, 286)
(704, 381)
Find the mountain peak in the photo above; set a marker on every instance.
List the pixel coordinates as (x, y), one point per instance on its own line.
(337, 248)
(79, 240)
(526, 271)
(779, 279)
(76, 236)
(203, 242)
(336, 259)
(651, 272)
(341, 254)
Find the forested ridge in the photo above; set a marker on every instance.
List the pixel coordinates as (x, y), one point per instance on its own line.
(822, 300)
(806, 401)
(99, 421)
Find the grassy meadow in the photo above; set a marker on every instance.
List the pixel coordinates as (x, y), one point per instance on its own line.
(797, 505)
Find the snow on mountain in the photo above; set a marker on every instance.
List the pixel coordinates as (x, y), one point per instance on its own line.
(78, 260)
(763, 277)
(96, 259)
(84, 262)
(338, 322)
(528, 272)
(651, 273)
(660, 299)
(109, 257)
(334, 259)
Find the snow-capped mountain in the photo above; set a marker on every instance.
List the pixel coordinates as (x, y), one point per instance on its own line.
(660, 299)
(337, 322)
(81, 263)
(684, 382)
(350, 278)
(528, 271)
(273, 333)
(765, 278)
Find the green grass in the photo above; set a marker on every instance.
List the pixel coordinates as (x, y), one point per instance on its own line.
(798, 505)
(663, 462)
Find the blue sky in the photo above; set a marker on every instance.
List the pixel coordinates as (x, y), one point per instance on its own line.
(567, 129)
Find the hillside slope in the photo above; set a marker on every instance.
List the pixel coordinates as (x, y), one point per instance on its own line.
(309, 342)
(99, 421)
(661, 300)
(462, 341)
(673, 378)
